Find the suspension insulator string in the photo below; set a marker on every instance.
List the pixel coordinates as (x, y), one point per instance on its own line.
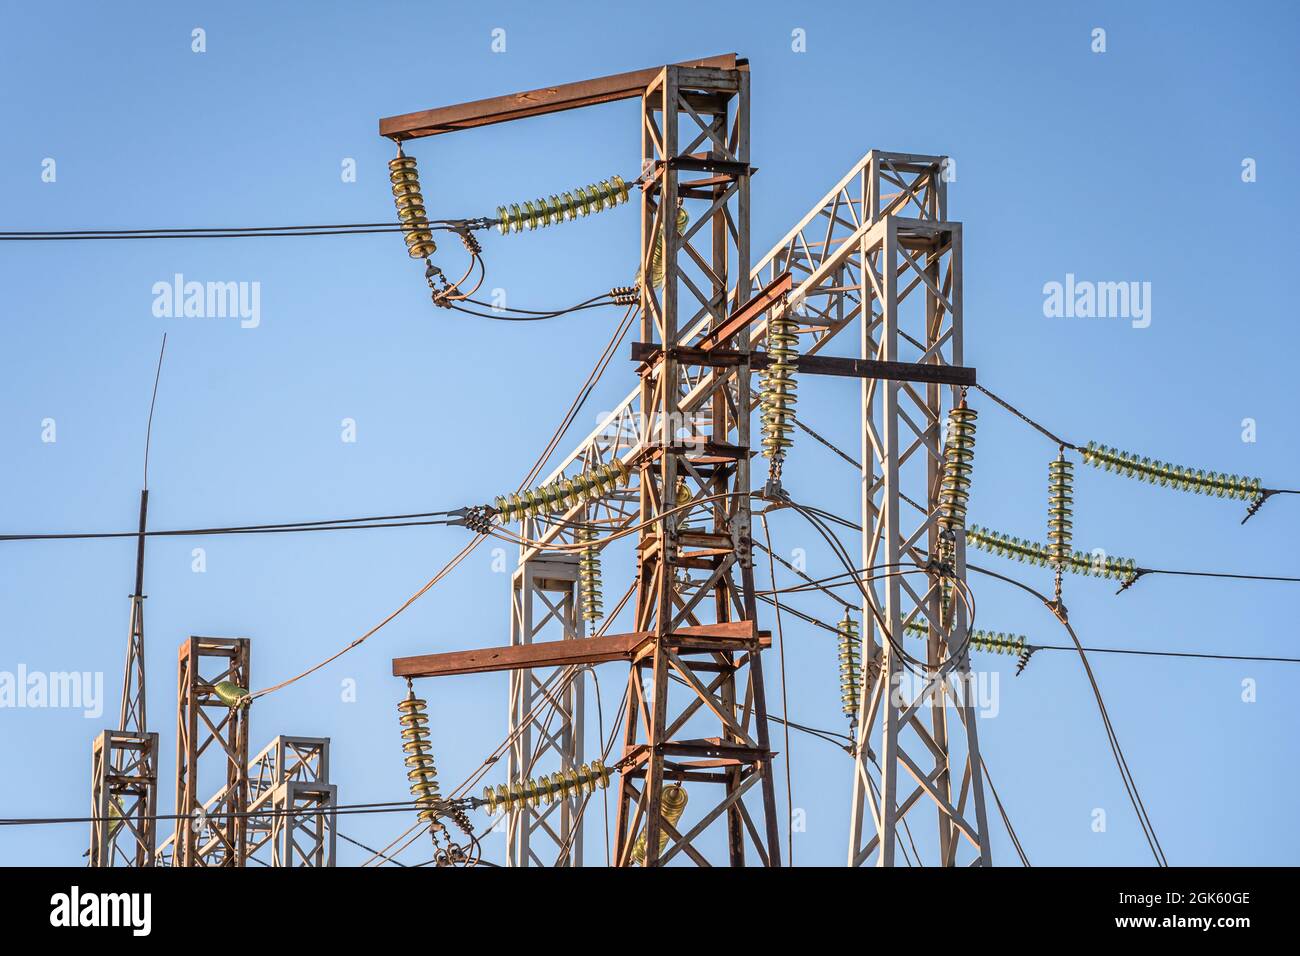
(672, 805)
(1172, 476)
(589, 583)
(657, 269)
(777, 397)
(535, 791)
(563, 493)
(566, 207)
(421, 773)
(405, 180)
(958, 459)
(1060, 500)
(850, 665)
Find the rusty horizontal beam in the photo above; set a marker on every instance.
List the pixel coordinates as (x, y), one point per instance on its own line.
(591, 650)
(816, 364)
(550, 99)
(763, 300)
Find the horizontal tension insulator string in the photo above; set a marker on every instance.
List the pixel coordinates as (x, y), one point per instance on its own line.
(1174, 476)
(1032, 552)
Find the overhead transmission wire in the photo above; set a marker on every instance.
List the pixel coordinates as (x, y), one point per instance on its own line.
(1156, 472)
(1130, 784)
(506, 314)
(390, 806)
(1135, 572)
(548, 699)
(583, 393)
(289, 527)
(785, 704)
(601, 364)
(826, 585)
(1006, 820)
(237, 232)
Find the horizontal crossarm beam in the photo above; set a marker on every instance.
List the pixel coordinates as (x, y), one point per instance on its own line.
(550, 99)
(592, 650)
(816, 364)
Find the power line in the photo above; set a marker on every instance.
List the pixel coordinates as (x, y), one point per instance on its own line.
(1146, 653)
(583, 393)
(1121, 762)
(392, 806)
(241, 232)
(333, 524)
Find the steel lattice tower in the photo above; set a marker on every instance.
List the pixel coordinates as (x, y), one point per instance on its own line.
(695, 584)
(910, 259)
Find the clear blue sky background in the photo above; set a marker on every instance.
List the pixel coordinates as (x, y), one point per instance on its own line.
(1120, 166)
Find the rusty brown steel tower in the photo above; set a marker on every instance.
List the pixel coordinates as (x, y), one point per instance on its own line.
(695, 579)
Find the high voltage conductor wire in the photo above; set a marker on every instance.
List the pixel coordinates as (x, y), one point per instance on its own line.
(829, 582)
(504, 314)
(334, 524)
(394, 806)
(1126, 775)
(237, 232)
(601, 364)
(1138, 572)
(961, 589)
(583, 393)
(1264, 493)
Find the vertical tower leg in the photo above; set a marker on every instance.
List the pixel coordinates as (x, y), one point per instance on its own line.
(695, 588)
(124, 792)
(546, 711)
(302, 828)
(911, 288)
(211, 733)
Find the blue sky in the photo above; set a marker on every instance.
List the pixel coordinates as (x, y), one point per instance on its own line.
(1116, 166)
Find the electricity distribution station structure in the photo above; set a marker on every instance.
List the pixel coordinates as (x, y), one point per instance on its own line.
(669, 470)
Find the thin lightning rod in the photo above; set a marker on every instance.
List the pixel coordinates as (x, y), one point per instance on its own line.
(148, 429)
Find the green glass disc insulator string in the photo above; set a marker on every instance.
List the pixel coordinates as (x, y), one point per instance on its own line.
(563, 493)
(777, 393)
(1098, 564)
(536, 791)
(589, 582)
(566, 207)
(421, 774)
(959, 457)
(1060, 500)
(1171, 476)
(657, 253)
(405, 181)
(850, 654)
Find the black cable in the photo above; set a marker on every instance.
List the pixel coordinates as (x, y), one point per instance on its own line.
(367, 848)
(841, 552)
(394, 806)
(590, 304)
(1144, 653)
(1217, 574)
(540, 313)
(1117, 751)
(239, 232)
(335, 524)
(847, 605)
(1138, 572)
